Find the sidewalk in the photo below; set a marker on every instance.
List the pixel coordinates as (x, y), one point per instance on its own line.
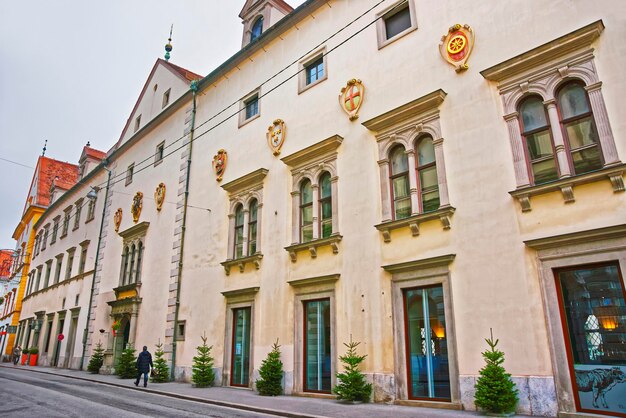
(288, 406)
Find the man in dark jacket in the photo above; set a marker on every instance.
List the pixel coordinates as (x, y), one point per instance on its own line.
(144, 364)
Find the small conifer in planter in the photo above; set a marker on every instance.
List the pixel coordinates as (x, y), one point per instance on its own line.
(96, 360)
(202, 374)
(495, 391)
(271, 372)
(127, 364)
(161, 372)
(351, 384)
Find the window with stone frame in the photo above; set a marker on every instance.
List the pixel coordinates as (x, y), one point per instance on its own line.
(91, 209)
(395, 21)
(84, 247)
(46, 230)
(245, 221)
(132, 257)
(313, 70)
(257, 29)
(557, 120)
(55, 229)
(315, 221)
(79, 208)
(250, 107)
(70, 263)
(66, 221)
(413, 178)
(46, 282)
(57, 271)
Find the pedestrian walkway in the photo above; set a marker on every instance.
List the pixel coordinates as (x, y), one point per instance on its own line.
(288, 406)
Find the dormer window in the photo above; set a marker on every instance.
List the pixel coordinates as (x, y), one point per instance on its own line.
(137, 123)
(257, 29)
(166, 98)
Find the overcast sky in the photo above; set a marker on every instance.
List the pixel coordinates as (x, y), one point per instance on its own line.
(71, 71)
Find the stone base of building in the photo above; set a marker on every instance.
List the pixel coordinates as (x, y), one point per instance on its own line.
(537, 394)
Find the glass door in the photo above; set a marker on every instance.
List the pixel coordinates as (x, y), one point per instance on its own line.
(426, 344)
(240, 368)
(593, 314)
(317, 359)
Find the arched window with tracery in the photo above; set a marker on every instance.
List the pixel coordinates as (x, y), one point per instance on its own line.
(579, 128)
(306, 211)
(131, 267)
(257, 29)
(540, 151)
(124, 266)
(239, 231)
(399, 179)
(326, 206)
(252, 226)
(139, 257)
(428, 185)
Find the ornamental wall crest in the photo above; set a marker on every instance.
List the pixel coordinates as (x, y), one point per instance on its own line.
(456, 46)
(117, 219)
(220, 160)
(351, 98)
(159, 196)
(276, 135)
(136, 206)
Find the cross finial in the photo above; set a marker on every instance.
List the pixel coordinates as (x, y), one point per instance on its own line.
(45, 144)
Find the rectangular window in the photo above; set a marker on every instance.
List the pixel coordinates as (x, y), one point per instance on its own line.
(38, 282)
(48, 332)
(317, 358)
(426, 344)
(593, 308)
(83, 260)
(70, 261)
(77, 299)
(45, 237)
(55, 230)
(129, 174)
(158, 154)
(66, 221)
(91, 209)
(252, 107)
(397, 21)
(57, 271)
(315, 71)
(180, 332)
(46, 282)
(79, 208)
(166, 98)
(137, 123)
(241, 348)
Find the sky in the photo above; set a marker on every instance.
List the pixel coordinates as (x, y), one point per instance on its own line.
(71, 71)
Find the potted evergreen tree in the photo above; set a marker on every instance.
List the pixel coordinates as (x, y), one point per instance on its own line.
(495, 391)
(351, 384)
(161, 372)
(33, 354)
(24, 356)
(202, 374)
(271, 371)
(97, 359)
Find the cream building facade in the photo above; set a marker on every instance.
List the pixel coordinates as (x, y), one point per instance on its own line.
(460, 200)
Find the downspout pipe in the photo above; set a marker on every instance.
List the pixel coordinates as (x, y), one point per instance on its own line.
(194, 90)
(95, 267)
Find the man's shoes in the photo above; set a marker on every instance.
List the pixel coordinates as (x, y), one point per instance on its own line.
(145, 385)
(136, 383)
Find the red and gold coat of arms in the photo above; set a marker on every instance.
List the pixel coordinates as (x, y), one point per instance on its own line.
(351, 98)
(136, 206)
(456, 46)
(159, 196)
(220, 160)
(276, 135)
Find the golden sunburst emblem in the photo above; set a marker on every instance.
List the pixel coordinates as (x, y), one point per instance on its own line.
(456, 44)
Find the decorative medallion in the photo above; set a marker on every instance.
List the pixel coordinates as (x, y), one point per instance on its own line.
(276, 135)
(135, 208)
(117, 219)
(456, 46)
(219, 163)
(351, 98)
(159, 196)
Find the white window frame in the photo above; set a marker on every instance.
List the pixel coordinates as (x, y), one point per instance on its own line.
(242, 107)
(304, 63)
(130, 171)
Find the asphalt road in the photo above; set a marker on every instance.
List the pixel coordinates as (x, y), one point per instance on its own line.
(24, 394)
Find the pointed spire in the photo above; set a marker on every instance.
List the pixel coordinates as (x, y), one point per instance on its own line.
(168, 46)
(45, 144)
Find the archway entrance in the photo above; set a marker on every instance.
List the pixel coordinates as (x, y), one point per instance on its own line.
(121, 338)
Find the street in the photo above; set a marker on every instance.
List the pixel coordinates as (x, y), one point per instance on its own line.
(27, 394)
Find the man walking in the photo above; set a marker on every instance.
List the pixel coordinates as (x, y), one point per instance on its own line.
(17, 351)
(144, 364)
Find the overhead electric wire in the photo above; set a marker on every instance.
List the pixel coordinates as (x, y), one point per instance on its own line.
(16, 163)
(139, 170)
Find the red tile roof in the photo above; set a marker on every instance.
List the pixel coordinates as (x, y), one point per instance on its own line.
(48, 170)
(5, 263)
(188, 75)
(94, 153)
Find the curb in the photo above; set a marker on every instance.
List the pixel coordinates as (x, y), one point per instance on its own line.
(243, 407)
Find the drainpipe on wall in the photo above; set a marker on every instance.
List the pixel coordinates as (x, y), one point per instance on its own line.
(95, 267)
(194, 90)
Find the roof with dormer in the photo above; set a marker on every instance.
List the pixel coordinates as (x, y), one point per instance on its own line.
(250, 4)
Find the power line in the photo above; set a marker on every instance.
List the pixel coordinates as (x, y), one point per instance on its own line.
(16, 163)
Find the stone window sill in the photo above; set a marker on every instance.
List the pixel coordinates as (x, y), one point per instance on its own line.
(413, 222)
(312, 246)
(241, 263)
(566, 185)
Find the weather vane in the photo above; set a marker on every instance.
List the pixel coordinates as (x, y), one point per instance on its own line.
(168, 46)
(43, 154)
